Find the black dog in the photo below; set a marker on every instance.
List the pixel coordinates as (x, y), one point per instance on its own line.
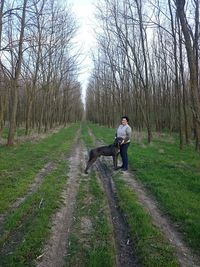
(111, 150)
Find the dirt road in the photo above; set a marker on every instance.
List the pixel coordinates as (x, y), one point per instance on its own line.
(56, 247)
(185, 256)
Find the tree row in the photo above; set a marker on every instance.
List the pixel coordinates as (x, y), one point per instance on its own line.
(147, 66)
(38, 66)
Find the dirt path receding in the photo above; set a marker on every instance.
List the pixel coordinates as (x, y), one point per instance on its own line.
(124, 245)
(126, 256)
(184, 254)
(55, 249)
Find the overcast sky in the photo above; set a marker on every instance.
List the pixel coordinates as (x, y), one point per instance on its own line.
(84, 11)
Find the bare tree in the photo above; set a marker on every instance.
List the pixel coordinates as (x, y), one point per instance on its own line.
(39, 66)
(141, 69)
(15, 78)
(191, 43)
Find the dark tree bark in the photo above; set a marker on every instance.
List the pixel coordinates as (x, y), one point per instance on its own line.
(191, 56)
(14, 83)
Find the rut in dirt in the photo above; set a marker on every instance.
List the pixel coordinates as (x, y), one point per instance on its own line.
(55, 250)
(124, 245)
(38, 180)
(126, 255)
(48, 168)
(184, 254)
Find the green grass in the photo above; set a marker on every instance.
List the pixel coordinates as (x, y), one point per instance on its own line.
(19, 132)
(86, 136)
(29, 224)
(26, 228)
(151, 247)
(21, 163)
(92, 247)
(171, 175)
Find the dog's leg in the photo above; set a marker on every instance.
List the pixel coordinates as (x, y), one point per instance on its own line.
(115, 162)
(90, 162)
(117, 159)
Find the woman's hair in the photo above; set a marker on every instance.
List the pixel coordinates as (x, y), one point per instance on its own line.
(125, 117)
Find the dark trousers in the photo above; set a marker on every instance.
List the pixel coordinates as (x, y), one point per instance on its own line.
(124, 155)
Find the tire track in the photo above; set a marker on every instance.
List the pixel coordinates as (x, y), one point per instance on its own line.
(55, 250)
(184, 254)
(48, 168)
(124, 245)
(126, 255)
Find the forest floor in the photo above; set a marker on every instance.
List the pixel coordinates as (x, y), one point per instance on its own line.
(52, 214)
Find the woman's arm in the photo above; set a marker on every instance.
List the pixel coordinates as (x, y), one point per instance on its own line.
(128, 134)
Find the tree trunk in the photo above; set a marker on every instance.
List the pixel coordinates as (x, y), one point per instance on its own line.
(14, 90)
(177, 85)
(1, 18)
(146, 86)
(28, 116)
(12, 128)
(184, 88)
(192, 67)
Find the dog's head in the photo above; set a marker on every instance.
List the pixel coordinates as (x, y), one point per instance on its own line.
(118, 141)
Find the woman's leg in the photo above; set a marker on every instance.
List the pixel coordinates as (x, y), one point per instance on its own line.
(124, 155)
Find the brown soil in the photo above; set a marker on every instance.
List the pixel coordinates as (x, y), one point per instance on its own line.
(184, 254)
(125, 254)
(59, 220)
(55, 249)
(86, 225)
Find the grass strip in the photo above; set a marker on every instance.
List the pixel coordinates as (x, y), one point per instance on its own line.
(86, 136)
(171, 175)
(91, 237)
(29, 225)
(152, 249)
(21, 163)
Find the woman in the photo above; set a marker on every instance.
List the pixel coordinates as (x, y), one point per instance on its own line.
(124, 131)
